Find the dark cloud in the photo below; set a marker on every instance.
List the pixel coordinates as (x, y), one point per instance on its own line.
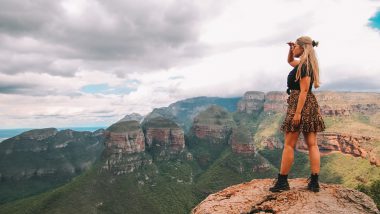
(115, 36)
(20, 18)
(33, 89)
(16, 88)
(101, 111)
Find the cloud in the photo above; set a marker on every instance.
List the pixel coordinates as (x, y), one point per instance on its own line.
(90, 62)
(32, 84)
(70, 35)
(15, 88)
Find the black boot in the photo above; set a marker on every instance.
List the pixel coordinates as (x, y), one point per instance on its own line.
(313, 184)
(281, 184)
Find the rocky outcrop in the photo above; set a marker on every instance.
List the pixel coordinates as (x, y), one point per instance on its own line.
(261, 167)
(125, 137)
(345, 103)
(241, 148)
(129, 142)
(241, 141)
(214, 124)
(366, 108)
(130, 145)
(119, 163)
(254, 197)
(331, 103)
(215, 132)
(347, 110)
(125, 146)
(345, 143)
(271, 143)
(251, 102)
(165, 135)
(170, 138)
(275, 101)
(328, 110)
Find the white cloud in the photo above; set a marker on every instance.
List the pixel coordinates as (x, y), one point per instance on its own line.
(243, 47)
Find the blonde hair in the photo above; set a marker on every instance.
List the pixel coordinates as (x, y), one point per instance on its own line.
(309, 58)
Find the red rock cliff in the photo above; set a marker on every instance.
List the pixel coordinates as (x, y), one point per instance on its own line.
(252, 101)
(275, 101)
(241, 141)
(125, 137)
(358, 146)
(125, 146)
(164, 133)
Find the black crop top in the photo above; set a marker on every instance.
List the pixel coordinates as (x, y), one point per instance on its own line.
(292, 76)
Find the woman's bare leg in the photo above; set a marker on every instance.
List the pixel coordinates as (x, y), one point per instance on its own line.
(314, 155)
(288, 152)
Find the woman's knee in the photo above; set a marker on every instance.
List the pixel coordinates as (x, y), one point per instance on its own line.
(289, 145)
(291, 139)
(310, 139)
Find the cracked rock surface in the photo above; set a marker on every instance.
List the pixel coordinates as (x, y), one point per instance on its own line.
(254, 197)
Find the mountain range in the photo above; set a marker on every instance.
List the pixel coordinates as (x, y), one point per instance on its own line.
(172, 158)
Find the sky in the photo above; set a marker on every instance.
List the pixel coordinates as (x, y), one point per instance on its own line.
(90, 62)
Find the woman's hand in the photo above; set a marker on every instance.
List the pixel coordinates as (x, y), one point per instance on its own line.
(296, 119)
(291, 45)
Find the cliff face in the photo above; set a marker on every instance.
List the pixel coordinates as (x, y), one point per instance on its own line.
(216, 132)
(275, 101)
(346, 110)
(170, 138)
(214, 124)
(127, 139)
(331, 103)
(119, 163)
(349, 144)
(164, 137)
(242, 148)
(338, 105)
(254, 197)
(271, 143)
(241, 141)
(125, 146)
(130, 145)
(346, 103)
(251, 102)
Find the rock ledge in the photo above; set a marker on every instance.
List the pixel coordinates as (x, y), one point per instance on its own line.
(254, 197)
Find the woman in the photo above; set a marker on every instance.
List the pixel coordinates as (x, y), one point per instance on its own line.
(303, 113)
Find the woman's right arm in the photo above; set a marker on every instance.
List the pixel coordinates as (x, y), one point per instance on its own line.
(291, 60)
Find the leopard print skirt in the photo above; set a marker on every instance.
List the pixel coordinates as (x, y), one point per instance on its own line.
(311, 118)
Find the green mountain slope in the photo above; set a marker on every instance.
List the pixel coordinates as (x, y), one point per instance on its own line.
(173, 186)
(40, 159)
(180, 183)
